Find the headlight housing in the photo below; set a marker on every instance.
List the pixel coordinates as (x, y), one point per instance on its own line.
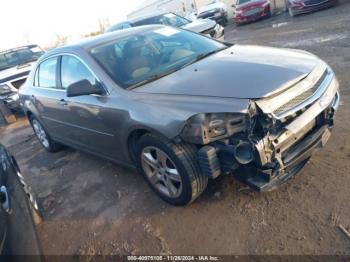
(4, 89)
(207, 127)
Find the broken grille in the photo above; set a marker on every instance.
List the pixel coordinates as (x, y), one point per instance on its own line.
(300, 98)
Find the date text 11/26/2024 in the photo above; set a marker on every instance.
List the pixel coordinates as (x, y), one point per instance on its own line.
(173, 258)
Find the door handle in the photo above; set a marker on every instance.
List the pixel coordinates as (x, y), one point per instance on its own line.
(62, 102)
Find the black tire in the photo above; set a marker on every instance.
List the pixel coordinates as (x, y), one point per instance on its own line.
(184, 157)
(52, 146)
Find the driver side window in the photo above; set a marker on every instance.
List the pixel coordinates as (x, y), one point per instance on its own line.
(73, 70)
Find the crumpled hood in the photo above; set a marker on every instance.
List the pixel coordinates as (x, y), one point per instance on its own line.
(238, 72)
(12, 72)
(200, 25)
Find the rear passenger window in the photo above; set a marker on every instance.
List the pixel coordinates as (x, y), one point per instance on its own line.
(46, 74)
(73, 70)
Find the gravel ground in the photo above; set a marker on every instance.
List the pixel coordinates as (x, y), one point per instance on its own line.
(92, 206)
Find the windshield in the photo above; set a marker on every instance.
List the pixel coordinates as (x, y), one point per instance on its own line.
(147, 56)
(239, 2)
(166, 19)
(19, 56)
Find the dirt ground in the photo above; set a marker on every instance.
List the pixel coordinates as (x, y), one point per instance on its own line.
(94, 207)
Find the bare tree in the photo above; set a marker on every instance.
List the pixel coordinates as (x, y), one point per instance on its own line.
(103, 24)
(60, 40)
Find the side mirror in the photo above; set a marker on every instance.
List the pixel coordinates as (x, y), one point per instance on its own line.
(84, 87)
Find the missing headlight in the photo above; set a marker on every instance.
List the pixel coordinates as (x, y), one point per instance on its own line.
(208, 127)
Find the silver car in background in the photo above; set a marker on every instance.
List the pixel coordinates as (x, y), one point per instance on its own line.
(15, 65)
(206, 27)
(183, 108)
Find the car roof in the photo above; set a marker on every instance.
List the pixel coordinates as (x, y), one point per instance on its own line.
(91, 42)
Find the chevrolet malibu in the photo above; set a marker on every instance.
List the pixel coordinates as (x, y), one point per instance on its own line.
(183, 108)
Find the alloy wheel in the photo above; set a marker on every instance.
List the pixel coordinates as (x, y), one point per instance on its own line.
(40, 133)
(161, 171)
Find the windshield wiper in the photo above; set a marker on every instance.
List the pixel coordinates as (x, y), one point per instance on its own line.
(152, 78)
(160, 75)
(202, 56)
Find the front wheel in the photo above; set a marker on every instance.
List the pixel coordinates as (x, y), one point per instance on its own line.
(43, 136)
(170, 169)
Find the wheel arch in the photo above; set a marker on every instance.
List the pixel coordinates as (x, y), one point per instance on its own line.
(28, 114)
(134, 136)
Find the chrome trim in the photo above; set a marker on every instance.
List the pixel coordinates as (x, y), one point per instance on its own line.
(50, 89)
(336, 101)
(312, 112)
(269, 105)
(327, 81)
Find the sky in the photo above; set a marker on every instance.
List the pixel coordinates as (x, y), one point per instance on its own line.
(40, 21)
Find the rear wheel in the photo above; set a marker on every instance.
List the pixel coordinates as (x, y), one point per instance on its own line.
(170, 169)
(43, 136)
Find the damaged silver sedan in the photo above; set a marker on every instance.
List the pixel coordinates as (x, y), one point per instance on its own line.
(183, 108)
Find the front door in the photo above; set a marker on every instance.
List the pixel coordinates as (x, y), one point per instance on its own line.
(46, 96)
(88, 122)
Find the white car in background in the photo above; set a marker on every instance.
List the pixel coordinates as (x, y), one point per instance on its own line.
(15, 65)
(205, 27)
(216, 11)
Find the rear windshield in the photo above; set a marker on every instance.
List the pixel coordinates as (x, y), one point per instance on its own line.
(147, 56)
(166, 19)
(19, 56)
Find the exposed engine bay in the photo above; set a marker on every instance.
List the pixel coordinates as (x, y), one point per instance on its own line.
(275, 139)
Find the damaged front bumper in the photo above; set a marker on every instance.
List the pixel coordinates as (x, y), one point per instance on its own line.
(267, 162)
